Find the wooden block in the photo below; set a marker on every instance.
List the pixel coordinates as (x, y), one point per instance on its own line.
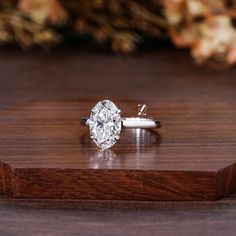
(46, 153)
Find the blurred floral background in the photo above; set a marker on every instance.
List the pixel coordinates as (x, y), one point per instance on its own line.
(206, 27)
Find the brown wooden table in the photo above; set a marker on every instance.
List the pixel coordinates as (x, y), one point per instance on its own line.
(72, 74)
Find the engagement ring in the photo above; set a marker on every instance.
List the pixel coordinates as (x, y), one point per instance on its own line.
(105, 123)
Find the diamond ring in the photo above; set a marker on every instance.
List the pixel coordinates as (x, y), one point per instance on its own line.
(105, 123)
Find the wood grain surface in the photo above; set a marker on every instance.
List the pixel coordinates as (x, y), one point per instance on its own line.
(72, 74)
(46, 153)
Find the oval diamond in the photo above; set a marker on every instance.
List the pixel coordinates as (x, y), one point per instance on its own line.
(105, 124)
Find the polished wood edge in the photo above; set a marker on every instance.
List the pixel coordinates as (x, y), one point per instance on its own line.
(23, 183)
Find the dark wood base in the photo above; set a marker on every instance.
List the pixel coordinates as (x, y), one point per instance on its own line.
(46, 153)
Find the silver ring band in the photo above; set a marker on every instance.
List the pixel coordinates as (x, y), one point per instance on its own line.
(134, 122)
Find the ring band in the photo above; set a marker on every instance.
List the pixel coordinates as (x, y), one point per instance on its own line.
(133, 122)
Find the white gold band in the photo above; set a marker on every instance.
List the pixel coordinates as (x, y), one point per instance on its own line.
(134, 122)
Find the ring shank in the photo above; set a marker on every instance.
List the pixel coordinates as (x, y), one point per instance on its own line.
(134, 122)
(138, 122)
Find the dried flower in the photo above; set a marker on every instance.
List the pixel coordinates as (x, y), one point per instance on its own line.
(44, 10)
(17, 27)
(123, 42)
(205, 26)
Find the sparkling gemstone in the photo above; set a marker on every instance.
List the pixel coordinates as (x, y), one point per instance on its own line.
(105, 124)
